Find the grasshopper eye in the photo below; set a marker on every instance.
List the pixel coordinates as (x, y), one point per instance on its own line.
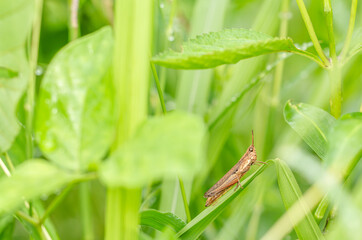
(251, 149)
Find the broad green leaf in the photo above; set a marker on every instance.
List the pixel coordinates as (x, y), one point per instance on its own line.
(29, 180)
(290, 193)
(75, 112)
(15, 25)
(159, 220)
(345, 146)
(196, 227)
(225, 47)
(311, 123)
(164, 146)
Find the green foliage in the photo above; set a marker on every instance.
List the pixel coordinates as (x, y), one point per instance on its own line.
(130, 164)
(76, 103)
(225, 47)
(311, 123)
(94, 114)
(30, 180)
(15, 23)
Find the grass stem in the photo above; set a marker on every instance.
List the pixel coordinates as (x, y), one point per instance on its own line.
(57, 200)
(182, 186)
(283, 31)
(352, 19)
(329, 19)
(311, 32)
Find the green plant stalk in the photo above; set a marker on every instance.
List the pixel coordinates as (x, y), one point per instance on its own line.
(159, 88)
(58, 199)
(86, 211)
(4, 168)
(352, 19)
(283, 31)
(114, 226)
(73, 22)
(9, 162)
(335, 77)
(329, 19)
(30, 98)
(132, 32)
(162, 101)
(183, 192)
(311, 32)
(27, 218)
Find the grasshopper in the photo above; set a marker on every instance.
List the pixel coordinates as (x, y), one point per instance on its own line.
(233, 175)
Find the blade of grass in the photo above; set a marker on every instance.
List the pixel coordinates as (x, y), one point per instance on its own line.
(291, 193)
(198, 224)
(162, 101)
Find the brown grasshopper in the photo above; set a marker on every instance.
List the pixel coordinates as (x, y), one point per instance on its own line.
(233, 175)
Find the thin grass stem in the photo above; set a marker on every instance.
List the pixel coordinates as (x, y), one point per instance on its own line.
(311, 32)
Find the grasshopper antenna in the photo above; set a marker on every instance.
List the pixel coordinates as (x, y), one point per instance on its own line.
(252, 137)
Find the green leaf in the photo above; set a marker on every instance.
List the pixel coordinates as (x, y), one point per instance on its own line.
(75, 116)
(345, 148)
(29, 180)
(311, 123)
(164, 146)
(15, 25)
(194, 228)
(160, 221)
(289, 189)
(227, 46)
(17, 151)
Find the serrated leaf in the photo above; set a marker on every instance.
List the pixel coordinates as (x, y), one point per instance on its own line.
(311, 123)
(225, 47)
(159, 220)
(198, 224)
(75, 117)
(164, 146)
(29, 180)
(290, 192)
(15, 25)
